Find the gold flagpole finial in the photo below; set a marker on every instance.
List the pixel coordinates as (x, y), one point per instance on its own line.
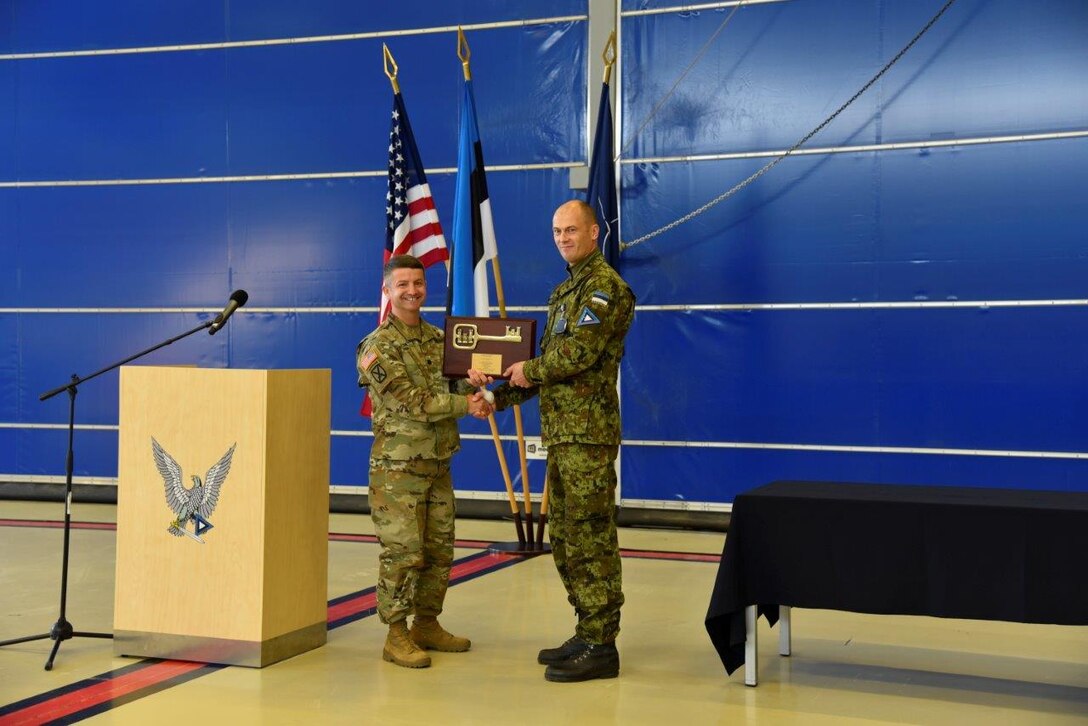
(387, 62)
(609, 56)
(463, 53)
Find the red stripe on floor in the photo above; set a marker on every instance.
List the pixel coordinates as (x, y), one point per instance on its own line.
(346, 537)
(98, 693)
(479, 564)
(48, 524)
(351, 607)
(674, 556)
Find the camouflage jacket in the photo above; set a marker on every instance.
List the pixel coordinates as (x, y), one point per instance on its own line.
(414, 411)
(575, 374)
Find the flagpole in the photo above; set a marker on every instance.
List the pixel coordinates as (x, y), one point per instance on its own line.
(519, 426)
(464, 53)
(617, 174)
(543, 512)
(609, 56)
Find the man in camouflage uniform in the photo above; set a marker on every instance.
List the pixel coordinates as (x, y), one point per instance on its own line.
(575, 374)
(411, 495)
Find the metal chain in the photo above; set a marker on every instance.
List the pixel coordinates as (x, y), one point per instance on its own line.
(770, 165)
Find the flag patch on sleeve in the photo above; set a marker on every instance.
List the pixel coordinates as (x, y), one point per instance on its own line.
(587, 317)
(599, 298)
(368, 360)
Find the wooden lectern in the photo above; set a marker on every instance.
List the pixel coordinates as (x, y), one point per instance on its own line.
(244, 580)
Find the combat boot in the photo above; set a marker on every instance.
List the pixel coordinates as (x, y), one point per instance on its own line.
(429, 635)
(400, 649)
(594, 661)
(551, 656)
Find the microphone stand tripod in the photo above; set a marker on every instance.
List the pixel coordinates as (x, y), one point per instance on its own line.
(62, 630)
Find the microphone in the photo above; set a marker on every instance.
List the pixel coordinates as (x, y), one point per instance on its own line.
(238, 298)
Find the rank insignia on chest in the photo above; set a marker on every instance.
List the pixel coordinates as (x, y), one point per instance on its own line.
(587, 317)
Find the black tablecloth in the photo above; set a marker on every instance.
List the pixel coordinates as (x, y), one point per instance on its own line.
(986, 554)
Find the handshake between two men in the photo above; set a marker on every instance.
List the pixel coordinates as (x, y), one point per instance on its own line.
(481, 404)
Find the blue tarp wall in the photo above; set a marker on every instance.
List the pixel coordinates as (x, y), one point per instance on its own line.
(904, 303)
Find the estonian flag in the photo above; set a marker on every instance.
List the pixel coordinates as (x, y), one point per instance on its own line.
(473, 233)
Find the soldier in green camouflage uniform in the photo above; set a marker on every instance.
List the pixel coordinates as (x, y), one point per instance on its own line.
(575, 375)
(411, 494)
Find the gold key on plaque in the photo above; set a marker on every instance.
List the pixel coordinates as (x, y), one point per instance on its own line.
(466, 335)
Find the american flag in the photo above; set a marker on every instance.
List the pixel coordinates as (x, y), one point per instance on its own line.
(411, 222)
(412, 226)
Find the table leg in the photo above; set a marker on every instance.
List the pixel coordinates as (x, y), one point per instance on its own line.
(784, 630)
(751, 661)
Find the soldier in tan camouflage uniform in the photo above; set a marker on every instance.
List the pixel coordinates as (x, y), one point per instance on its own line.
(411, 495)
(575, 375)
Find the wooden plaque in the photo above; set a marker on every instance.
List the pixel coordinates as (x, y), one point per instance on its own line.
(486, 344)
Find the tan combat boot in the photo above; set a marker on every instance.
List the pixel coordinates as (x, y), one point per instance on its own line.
(428, 634)
(400, 649)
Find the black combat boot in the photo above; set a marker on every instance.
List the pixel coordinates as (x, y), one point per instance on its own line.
(593, 661)
(551, 656)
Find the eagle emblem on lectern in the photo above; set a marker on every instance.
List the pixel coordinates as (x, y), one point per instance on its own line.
(196, 503)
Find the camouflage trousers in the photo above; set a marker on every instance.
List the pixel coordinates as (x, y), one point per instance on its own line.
(582, 532)
(411, 504)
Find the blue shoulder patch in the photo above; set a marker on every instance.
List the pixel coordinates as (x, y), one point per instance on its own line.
(587, 318)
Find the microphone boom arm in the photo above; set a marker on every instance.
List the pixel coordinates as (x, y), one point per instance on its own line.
(76, 380)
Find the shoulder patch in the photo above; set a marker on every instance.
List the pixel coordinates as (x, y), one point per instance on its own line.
(378, 373)
(587, 318)
(599, 298)
(368, 360)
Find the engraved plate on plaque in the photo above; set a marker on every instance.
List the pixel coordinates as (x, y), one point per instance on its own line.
(488, 363)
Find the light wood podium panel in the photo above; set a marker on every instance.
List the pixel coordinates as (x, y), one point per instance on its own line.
(252, 589)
